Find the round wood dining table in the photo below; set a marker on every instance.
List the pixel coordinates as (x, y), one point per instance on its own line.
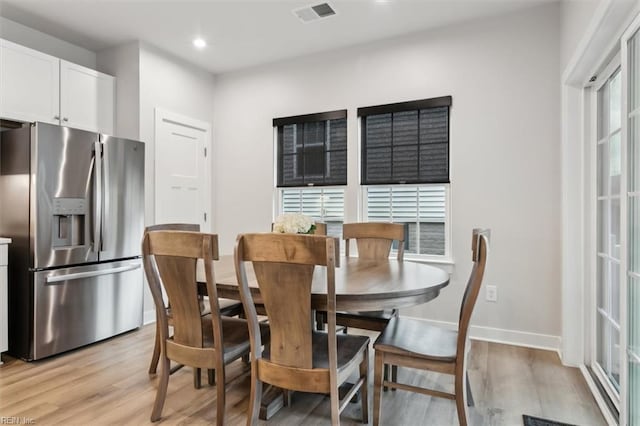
(361, 285)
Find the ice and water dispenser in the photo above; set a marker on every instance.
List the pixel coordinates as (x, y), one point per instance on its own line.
(68, 222)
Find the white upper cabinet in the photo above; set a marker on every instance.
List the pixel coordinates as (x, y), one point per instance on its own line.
(39, 87)
(29, 84)
(86, 98)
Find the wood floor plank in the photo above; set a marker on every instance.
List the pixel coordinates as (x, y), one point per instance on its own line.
(107, 383)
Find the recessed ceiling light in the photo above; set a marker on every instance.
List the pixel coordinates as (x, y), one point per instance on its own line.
(199, 43)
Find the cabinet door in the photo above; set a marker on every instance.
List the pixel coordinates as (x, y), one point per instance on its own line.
(29, 84)
(86, 98)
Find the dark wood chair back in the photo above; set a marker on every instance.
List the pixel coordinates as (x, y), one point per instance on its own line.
(374, 239)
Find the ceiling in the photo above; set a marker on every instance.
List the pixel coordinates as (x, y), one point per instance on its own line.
(242, 33)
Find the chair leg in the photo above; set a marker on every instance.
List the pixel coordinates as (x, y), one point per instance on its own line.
(197, 383)
(220, 394)
(364, 390)
(335, 406)
(377, 387)
(156, 354)
(161, 394)
(394, 376)
(319, 321)
(255, 397)
(461, 406)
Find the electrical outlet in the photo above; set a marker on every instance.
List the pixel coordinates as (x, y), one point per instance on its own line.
(492, 293)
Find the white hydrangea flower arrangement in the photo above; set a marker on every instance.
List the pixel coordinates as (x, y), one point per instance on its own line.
(294, 223)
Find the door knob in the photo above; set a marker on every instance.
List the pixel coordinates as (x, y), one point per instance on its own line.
(56, 117)
(65, 119)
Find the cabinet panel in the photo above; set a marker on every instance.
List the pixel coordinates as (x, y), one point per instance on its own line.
(29, 84)
(86, 98)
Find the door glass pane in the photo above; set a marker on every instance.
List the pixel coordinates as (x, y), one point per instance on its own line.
(615, 291)
(603, 272)
(634, 154)
(603, 229)
(615, 103)
(603, 168)
(614, 372)
(615, 160)
(614, 228)
(634, 235)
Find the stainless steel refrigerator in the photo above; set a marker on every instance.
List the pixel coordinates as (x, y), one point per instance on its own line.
(73, 203)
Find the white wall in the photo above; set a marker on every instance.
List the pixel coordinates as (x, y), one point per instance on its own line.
(45, 43)
(575, 18)
(123, 62)
(503, 74)
(173, 85)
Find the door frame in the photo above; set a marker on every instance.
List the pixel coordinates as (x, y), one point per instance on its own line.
(162, 115)
(616, 396)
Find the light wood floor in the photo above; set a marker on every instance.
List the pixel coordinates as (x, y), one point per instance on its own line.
(107, 383)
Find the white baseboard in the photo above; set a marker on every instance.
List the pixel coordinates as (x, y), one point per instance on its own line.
(149, 317)
(602, 405)
(508, 337)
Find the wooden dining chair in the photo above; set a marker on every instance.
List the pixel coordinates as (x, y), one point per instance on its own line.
(413, 343)
(374, 241)
(210, 342)
(228, 307)
(299, 359)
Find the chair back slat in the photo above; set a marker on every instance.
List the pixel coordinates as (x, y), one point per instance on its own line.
(179, 281)
(172, 258)
(289, 322)
(479, 247)
(284, 265)
(374, 239)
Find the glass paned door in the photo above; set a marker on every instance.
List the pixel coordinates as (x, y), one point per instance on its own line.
(633, 229)
(609, 170)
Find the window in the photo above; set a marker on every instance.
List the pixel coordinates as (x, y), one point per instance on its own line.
(312, 155)
(312, 149)
(421, 208)
(405, 170)
(406, 142)
(323, 204)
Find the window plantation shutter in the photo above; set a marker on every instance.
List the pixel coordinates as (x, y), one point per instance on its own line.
(406, 142)
(312, 149)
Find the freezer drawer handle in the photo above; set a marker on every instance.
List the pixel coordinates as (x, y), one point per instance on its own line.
(79, 275)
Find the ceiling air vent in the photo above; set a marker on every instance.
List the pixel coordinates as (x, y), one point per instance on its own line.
(313, 13)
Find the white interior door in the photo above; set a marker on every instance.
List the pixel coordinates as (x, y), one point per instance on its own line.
(183, 184)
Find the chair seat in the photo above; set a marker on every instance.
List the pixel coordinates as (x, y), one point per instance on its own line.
(406, 336)
(235, 336)
(348, 346)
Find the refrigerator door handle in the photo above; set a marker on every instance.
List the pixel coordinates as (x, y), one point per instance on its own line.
(97, 194)
(79, 275)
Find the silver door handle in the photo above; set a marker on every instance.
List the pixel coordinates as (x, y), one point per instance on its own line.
(56, 117)
(97, 194)
(65, 119)
(89, 274)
